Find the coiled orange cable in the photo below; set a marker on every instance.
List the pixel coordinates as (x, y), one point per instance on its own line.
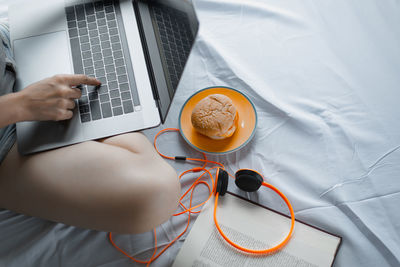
(262, 251)
(190, 210)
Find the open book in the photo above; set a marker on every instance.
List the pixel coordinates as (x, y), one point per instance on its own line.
(256, 227)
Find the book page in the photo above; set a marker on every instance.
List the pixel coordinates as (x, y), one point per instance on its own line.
(253, 227)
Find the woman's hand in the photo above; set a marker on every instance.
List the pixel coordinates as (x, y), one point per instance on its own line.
(51, 98)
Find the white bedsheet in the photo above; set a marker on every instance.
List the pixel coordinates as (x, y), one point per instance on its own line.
(325, 79)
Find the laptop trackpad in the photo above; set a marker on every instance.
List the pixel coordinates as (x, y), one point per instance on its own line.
(42, 56)
(37, 58)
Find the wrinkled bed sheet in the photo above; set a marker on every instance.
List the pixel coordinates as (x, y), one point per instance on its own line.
(325, 79)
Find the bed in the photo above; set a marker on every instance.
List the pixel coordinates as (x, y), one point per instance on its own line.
(325, 78)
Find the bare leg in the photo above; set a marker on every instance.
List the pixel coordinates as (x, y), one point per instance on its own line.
(119, 184)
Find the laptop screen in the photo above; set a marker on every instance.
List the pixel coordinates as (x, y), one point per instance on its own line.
(174, 25)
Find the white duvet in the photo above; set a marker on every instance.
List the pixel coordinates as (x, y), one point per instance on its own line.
(325, 79)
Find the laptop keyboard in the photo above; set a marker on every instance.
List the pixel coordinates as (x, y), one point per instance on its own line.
(98, 51)
(176, 39)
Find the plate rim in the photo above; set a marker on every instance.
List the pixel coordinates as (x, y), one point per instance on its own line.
(225, 152)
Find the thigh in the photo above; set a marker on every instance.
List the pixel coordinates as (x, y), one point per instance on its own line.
(90, 184)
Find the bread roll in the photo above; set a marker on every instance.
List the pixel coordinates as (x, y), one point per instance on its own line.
(215, 116)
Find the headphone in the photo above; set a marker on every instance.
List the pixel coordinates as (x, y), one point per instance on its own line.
(246, 179)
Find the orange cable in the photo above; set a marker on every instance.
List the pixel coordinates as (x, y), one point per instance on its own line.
(264, 251)
(190, 211)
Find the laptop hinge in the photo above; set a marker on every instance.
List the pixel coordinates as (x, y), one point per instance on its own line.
(147, 55)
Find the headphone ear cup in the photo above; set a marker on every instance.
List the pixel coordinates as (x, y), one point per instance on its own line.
(222, 182)
(248, 180)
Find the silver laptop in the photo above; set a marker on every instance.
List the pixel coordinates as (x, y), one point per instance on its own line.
(137, 49)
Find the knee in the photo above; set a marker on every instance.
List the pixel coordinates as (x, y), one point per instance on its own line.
(150, 197)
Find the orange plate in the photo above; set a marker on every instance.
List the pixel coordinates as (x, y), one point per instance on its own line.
(245, 130)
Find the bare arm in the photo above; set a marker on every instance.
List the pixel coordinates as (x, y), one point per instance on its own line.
(48, 99)
(8, 109)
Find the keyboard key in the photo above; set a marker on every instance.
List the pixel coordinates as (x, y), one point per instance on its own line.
(93, 95)
(84, 39)
(122, 79)
(89, 70)
(97, 56)
(104, 37)
(107, 52)
(95, 110)
(113, 85)
(80, 12)
(73, 33)
(109, 9)
(87, 62)
(119, 62)
(109, 68)
(117, 54)
(121, 70)
(96, 48)
(106, 109)
(125, 95)
(110, 16)
(117, 111)
(70, 13)
(113, 31)
(92, 26)
(83, 31)
(85, 117)
(105, 44)
(99, 65)
(128, 106)
(82, 24)
(98, 5)
(91, 18)
(111, 76)
(103, 89)
(71, 24)
(95, 41)
(100, 72)
(86, 55)
(107, 2)
(124, 87)
(168, 55)
(89, 8)
(170, 63)
(93, 33)
(103, 29)
(114, 93)
(108, 60)
(84, 109)
(100, 14)
(112, 24)
(165, 45)
(85, 47)
(101, 22)
(114, 39)
(115, 102)
(116, 46)
(104, 98)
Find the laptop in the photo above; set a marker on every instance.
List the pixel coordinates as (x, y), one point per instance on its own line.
(137, 49)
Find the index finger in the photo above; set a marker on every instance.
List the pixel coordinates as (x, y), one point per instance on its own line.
(76, 79)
